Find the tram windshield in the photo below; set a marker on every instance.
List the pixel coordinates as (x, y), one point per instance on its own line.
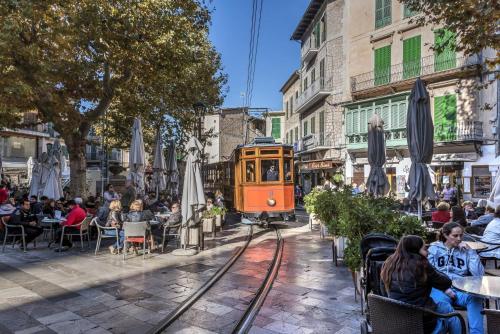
(270, 170)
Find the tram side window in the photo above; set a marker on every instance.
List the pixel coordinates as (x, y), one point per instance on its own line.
(288, 173)
(250, 171)
(270, 170)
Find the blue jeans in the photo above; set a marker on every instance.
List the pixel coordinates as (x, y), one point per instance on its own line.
(121, 237)
(474, 307)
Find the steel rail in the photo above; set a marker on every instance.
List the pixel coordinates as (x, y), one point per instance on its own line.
(185, 305)
(246, 321)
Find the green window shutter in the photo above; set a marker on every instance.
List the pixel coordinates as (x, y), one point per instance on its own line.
(355, 121)
(411, 57)
(313, 124)
(317, 36)
(363, 121)
(348, 122)
(445, 56)
(382, 71)
(407, 12)
(445, 117)
(276, 128)
(321, 127)
(386, 117)
(382, 13)
(394, 116)
(402, 115)
(305, 129)
(323, 28)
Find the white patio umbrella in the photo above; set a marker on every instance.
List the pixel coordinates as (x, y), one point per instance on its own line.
(495, 191)
(58, 154)
(136, 157)
(172, 170)
(36, 172)
(193, 196)
(159, 167)
(44, 172)
(52, 188)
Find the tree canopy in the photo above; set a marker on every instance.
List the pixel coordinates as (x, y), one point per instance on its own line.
(75, 60)
(475, 22)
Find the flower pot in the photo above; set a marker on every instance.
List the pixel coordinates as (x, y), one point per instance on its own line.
(218, 220)
(208, 225)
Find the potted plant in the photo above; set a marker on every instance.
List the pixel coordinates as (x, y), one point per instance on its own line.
(310, 201)
(218, 213)
(208, 221)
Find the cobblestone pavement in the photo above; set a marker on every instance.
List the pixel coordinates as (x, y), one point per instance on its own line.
(77, 292)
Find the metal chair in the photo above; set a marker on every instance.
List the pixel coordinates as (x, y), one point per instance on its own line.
(494, 246)
(135, 232)
(12, 233)
(167, 235)
(101, 233)
(70, 231)
(389, 316)
(492, 321)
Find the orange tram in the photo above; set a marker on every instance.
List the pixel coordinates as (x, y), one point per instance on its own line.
(257, 181)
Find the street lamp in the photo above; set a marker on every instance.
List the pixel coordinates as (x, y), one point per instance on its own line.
(199, 111)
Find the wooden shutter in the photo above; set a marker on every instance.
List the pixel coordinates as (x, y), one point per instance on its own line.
(445, 56)
(386, 116)
(348, 122)
(445, 117)
(313, 125)
(411, 57)
(382, 62)
(355, 121)
(403, 109)
(321, 127)
(305, 129)
(394, 115)
(363, 121)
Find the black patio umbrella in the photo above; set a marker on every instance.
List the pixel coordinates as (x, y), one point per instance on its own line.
(377, 183)
(420, 144)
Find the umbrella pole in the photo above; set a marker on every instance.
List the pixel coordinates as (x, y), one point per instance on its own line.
(420, 210)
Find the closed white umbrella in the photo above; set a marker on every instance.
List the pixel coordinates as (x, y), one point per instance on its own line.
(193, 196)
(52, 188)
(44, 172)
(159, 167)
(36, 171)
(136, 157)
(172, 170)
(58, 154)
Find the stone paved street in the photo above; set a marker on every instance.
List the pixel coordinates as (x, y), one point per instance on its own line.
(77, 292)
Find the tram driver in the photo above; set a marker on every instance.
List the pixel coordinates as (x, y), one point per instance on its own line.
(272, 174)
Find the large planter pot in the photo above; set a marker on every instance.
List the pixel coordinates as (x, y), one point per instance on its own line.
(313, 220)
(208, 225)
(194, 238)
(338, 246)
(218, 221)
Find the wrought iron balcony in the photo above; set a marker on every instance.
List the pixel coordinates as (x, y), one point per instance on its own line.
(427, 67)
(463, 131)
(318, 90)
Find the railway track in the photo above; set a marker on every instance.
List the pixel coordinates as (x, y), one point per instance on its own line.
(245, 323)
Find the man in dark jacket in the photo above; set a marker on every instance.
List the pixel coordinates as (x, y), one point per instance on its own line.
(23, 217)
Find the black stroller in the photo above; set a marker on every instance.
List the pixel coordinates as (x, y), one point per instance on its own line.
(375, 249)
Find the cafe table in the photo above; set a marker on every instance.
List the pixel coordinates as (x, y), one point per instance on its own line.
(476, 245)
(48, 224)
(480, 286)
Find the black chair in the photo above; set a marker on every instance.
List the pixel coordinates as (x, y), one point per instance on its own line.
(170, 231)
(493, 321)
(389, 316)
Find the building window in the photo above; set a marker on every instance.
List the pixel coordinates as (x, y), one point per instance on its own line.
(18, 148)
(322, 72)
(445, 117)
(323, 28)
(305, 129)
(407, 12)
(316, 33)
(276, 127)
(286, 109)
(481, 181)
(313, 75)
(305, 83)
(296, 95)
(313, 124)
(411, 57)
(445, 56)
(382, 61)
(382, 13)
(321, 127)
(291, 105)
(296, 133)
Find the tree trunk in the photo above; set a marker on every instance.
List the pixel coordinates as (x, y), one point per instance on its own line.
(78, 168)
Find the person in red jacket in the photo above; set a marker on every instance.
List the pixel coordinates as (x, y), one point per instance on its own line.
(442, 214)
(75, 216)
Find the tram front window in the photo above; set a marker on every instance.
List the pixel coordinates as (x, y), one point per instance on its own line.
(270, 170)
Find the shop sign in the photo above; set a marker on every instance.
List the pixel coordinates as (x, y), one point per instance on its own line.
(317, 165)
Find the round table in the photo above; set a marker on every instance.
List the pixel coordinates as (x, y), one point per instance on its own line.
(476, 245)
(480, 286)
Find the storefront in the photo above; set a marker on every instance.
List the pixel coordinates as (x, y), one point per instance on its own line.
(314, 173)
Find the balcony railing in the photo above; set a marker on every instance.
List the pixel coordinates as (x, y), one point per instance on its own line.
(404, 71)
(458, 132)
(313, 93)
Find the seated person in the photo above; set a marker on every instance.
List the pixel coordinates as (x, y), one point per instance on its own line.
(176, 217)
(455, 259)
(49, 209)
(24, 216)
(481, 207)
(442, 214)
(137, 213)
(469, 210)
(458, 216)
(115, 220)
(91, 206)
(409, 277)
(75, 216)
(7, 208)
(492, 235)
(210, 204)
(485, 219)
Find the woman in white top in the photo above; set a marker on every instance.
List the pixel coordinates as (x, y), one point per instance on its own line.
(110, 195)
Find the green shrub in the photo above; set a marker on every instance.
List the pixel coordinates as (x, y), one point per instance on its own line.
(310, 200)
(217, 210)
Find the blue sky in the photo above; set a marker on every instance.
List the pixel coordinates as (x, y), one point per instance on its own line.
(277, 55)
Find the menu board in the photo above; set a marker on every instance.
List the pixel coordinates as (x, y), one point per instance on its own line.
(481, 182)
